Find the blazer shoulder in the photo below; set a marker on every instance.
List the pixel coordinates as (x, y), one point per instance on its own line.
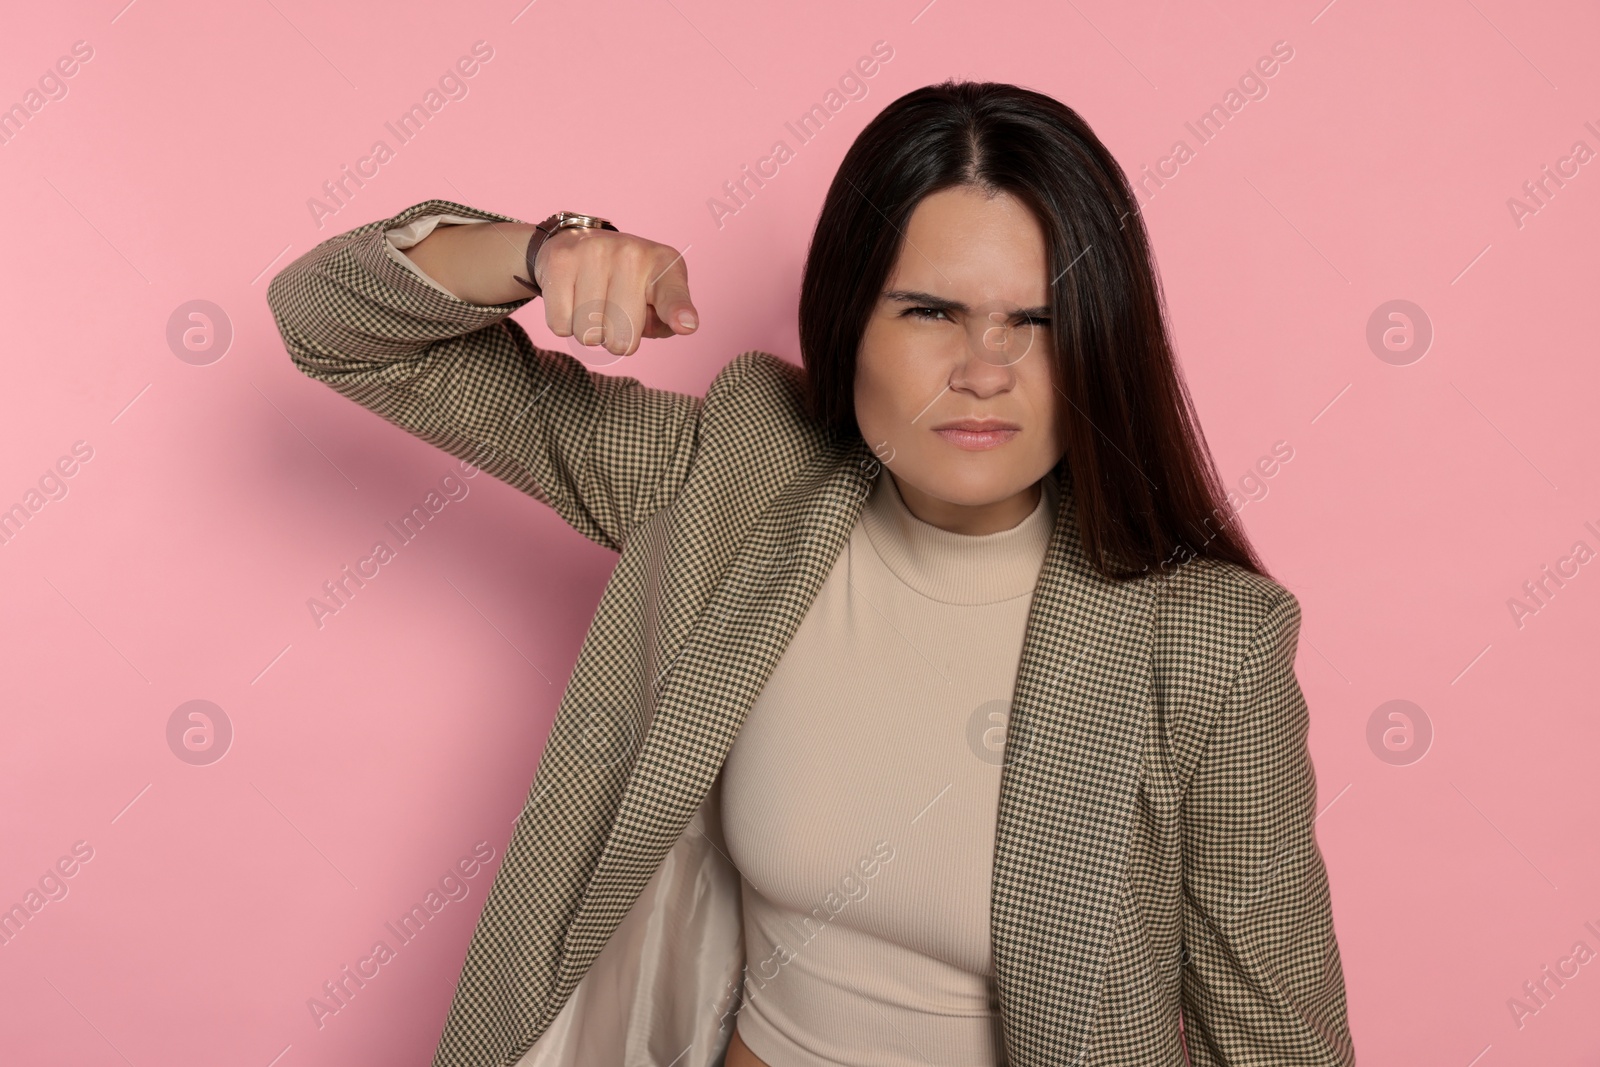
(760, 398)
(1211, 594)
(776, 380)
(1208, 615)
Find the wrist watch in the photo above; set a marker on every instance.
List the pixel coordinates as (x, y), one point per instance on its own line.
(543, 231)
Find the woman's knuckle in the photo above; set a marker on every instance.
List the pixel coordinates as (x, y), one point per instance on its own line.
(631, 255)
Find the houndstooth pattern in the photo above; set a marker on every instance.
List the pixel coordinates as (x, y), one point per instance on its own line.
(1155, 853)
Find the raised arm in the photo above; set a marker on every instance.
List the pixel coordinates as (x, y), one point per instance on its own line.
(1263, 981)
(603, 450)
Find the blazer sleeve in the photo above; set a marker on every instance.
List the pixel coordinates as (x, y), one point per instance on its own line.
(603, 450)
(1263, 982)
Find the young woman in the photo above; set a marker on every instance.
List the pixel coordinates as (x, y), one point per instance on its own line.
(937, 711)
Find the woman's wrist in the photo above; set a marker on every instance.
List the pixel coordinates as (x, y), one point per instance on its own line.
(476, 262)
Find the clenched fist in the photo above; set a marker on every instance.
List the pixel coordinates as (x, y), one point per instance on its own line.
(613, 289)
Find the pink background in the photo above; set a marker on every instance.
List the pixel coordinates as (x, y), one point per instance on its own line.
(372, 754)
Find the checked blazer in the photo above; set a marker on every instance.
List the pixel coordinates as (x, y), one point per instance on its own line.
(1159, 897)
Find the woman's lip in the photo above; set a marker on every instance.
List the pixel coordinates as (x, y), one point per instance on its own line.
(977, 440)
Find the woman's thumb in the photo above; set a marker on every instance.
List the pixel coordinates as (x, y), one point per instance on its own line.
(674, 307)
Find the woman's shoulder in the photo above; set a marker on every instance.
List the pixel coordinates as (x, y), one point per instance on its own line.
(1209, 614)
(775, 378)
(758, 398)
(1223, 590)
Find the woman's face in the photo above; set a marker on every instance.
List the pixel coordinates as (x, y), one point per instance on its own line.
(951, 341)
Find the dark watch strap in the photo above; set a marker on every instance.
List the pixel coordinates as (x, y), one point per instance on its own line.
(543, 231)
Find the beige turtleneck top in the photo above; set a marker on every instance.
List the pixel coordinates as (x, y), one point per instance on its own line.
(859, 799)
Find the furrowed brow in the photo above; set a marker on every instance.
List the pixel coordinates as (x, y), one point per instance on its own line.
(939, 303)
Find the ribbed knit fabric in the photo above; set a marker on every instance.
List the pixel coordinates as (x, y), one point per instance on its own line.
(859, 799)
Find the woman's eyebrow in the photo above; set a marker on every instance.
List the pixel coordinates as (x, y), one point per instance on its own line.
(939, 303)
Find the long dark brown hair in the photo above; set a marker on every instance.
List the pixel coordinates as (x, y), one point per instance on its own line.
(1146, 487)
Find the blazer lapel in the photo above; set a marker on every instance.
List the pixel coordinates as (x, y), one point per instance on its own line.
(1067, 792)
(715, 678)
